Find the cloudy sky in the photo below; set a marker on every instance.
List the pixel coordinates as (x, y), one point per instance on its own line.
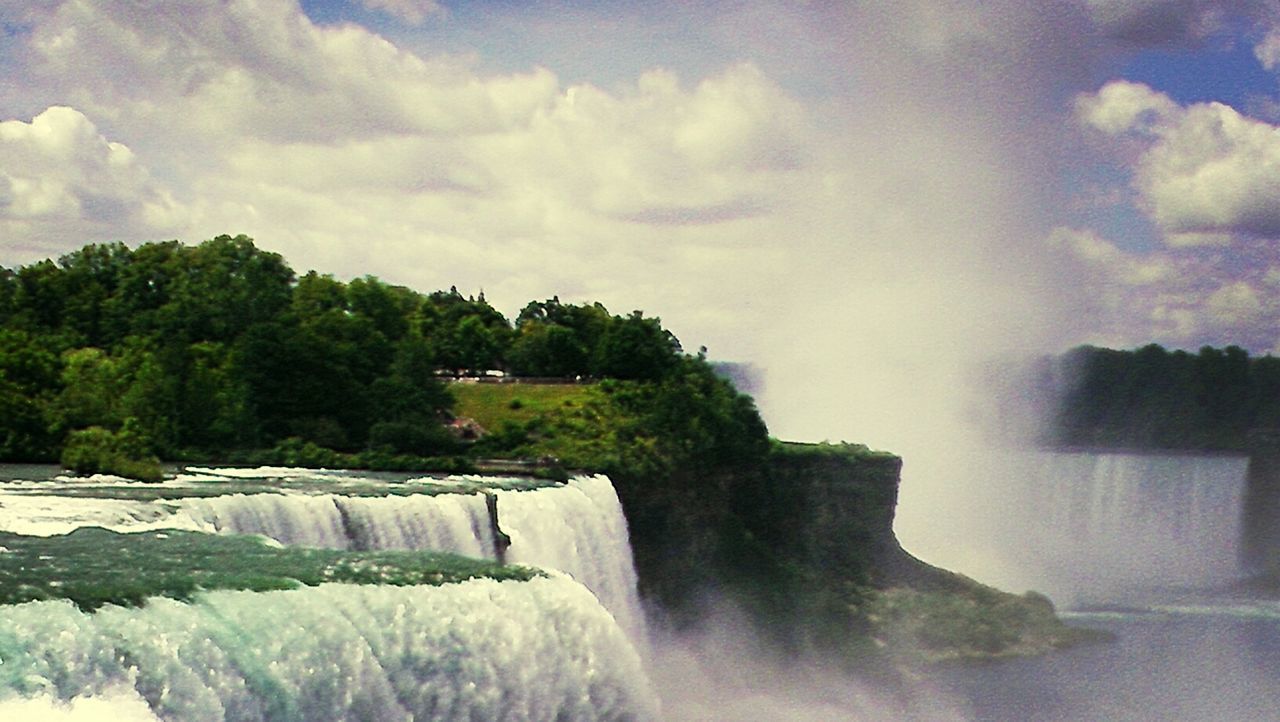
(875, 193)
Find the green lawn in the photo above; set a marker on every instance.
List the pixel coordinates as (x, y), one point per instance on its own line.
(491, 404)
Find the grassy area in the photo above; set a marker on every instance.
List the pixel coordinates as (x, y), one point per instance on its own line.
(93, 567)
(844, 449)
(492, 404)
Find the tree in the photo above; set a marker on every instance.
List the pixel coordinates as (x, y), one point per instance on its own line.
(226, 285)
(90, 278)
(635, 347)
(387, 307)
(28, 379)
(548, 350)
(93, 385)
(466, 334)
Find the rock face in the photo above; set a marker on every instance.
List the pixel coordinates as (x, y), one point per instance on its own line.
(804, 544)
(832, 508)
(840, 503)
(808, 520)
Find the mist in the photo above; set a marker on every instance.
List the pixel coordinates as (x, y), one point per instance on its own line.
(722, 670)
(934, 262)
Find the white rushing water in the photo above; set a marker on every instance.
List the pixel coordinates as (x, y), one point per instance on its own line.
(1088, 528)
(480, 650)
(457, 523)
(577, 528)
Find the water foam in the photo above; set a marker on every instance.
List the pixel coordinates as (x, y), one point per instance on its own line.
(578, 529)
(538, 650)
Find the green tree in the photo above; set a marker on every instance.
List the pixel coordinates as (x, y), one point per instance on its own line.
(466, 334)
(389, 308)
(548, 350)
(226, 285)
(410, 404)
(636, 347)
(93, 385)
(28, 380)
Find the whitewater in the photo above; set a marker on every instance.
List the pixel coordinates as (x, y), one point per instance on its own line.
(569, 645)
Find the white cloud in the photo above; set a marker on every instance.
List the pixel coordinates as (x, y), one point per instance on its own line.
(1128, 269)
(653, 155)
(252, 95)
(1181, 297)
(1214, 171)
(1235, 304)
(58, 174)
(261, 69)
(1268, 50)
(413, 12)
(1122, 106)
(1205, 173)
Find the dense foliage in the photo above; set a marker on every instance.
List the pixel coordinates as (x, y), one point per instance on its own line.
(1155, 398)
(201, 351)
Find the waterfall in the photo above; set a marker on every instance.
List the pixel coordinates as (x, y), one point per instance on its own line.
(580, 530)
(457, 523)
(1085, 527)
(566, 646)
(577, 528)
(483, 649)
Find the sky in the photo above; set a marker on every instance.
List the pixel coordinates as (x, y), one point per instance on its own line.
(861, 199)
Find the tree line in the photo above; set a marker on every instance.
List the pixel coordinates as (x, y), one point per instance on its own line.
(1155, 398)
(189, 351)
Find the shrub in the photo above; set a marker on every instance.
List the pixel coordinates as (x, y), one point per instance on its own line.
(97, 450)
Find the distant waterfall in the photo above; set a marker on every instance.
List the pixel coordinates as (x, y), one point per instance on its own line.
(480, 650)
(1087, 526)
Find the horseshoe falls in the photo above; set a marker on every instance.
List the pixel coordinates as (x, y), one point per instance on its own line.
(557, 647)
(1097, 527)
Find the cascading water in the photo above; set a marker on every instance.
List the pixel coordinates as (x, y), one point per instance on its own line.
(577, 528)
(537, 650)
(457, 523)
(1088, 527)
(482, 649)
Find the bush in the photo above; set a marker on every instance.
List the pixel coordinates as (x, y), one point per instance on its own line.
(294, 451)
(97, 450)
(422, 438)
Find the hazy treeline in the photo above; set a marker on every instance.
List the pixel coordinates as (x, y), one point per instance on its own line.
(1155, 398)
(190, 351)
